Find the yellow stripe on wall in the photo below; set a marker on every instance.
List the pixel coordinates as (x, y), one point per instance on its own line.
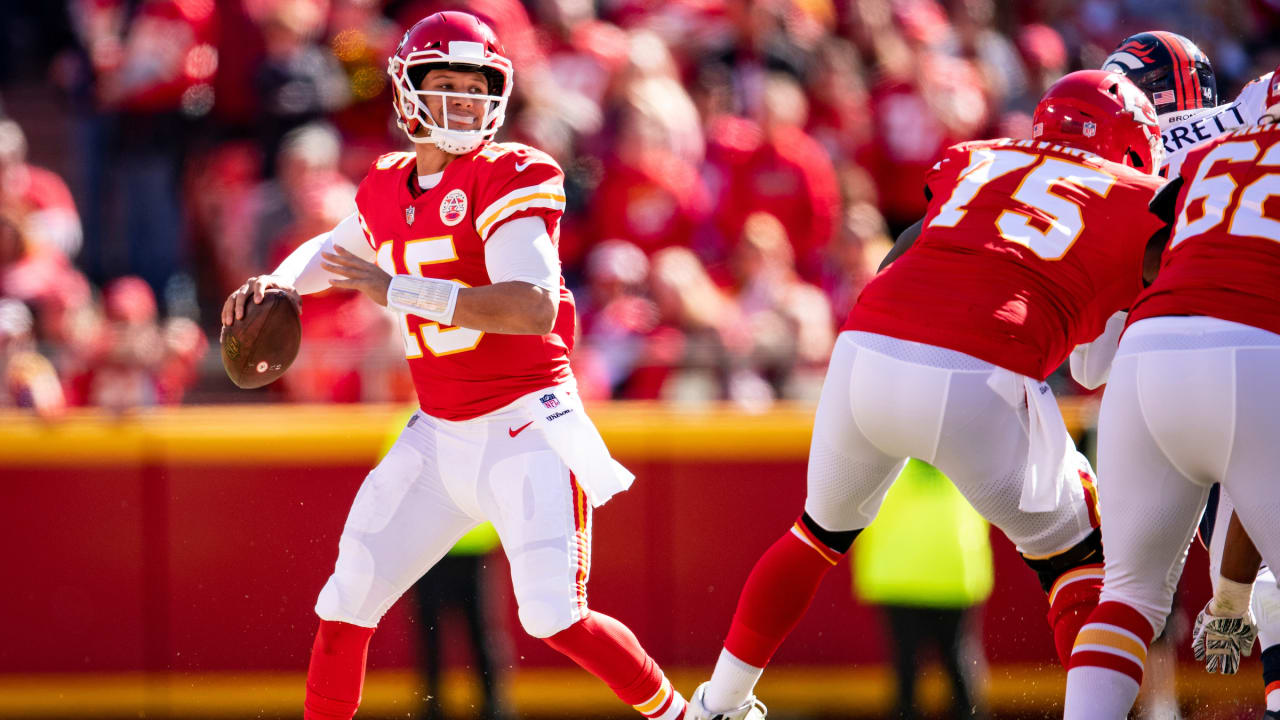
(560, 693)
(355, 434)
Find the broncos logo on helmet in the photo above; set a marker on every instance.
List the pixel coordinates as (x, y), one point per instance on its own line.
(1169, 68)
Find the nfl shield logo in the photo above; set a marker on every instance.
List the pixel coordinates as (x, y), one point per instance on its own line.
(408, 215)
(1090, 129)
(549, 400)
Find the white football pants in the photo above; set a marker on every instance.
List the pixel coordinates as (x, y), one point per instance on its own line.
(439, 480)
(886, 399)
(1192, 401)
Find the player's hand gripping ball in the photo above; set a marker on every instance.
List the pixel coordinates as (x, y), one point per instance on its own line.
(259, 347)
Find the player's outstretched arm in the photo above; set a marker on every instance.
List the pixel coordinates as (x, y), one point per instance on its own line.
(523, 298)
(302, 272)
(1225, 629)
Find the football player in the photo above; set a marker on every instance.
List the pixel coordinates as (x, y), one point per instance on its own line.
(1027, 248)
(459, 238)
(1179, 79)
(1191, 402)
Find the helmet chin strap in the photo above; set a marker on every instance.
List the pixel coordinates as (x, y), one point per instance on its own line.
(453, 142)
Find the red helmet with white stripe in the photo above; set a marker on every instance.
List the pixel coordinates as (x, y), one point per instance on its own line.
(450, 40)
(1104, 113)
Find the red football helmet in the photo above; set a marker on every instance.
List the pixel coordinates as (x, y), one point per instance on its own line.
(1104, 113)
(457, 41)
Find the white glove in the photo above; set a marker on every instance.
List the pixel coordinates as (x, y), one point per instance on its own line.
(1220, 642)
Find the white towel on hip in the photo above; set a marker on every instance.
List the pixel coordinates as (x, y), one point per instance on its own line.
(1048, 439)
(559, 413)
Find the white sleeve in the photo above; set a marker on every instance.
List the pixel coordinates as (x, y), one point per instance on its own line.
(1091, 361)
(302, 268)
(1252, 100)
(522, 250)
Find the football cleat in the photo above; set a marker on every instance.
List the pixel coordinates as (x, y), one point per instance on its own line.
(752, 709)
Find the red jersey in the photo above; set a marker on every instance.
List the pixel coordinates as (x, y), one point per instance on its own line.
(1027, 249)
(461, 373)
(1223, 258)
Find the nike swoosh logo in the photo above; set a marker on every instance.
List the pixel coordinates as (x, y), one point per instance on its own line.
(521, 166)
(518, 430)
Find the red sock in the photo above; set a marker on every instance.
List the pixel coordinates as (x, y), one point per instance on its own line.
(1108, 640)
(336, 675)
(777, 594)
(1072, 598)
(609, 650)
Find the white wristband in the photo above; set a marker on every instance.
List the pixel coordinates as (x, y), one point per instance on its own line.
(1230, 598)
(431, 298)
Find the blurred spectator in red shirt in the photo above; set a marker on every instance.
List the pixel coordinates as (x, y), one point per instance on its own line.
(39, 196)
(861, 243)
(136, 360)
(584, 54)
(788, 320)
(30, 380)
(923, 102)
(1045, 57)
(40, 276)
(690, 355)
(991, 52)
(617, 316)
(775, 168)
(648, 195)
(839, 111)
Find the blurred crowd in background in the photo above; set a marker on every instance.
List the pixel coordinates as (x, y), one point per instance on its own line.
(735, 171)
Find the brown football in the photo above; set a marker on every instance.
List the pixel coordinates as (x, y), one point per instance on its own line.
(259, 347)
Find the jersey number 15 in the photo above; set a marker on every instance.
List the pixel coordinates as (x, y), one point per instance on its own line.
(419, 333)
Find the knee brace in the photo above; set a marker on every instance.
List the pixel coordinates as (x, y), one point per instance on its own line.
(1049, 569)
(838, 540)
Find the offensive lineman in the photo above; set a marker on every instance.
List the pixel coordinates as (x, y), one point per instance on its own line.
(1180, 81)
(1191, 402)
(459, 237)
(1027, 248)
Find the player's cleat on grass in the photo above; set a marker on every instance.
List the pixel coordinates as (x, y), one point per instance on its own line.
(752, 709)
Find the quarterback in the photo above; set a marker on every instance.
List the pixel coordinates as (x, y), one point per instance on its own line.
(1026, 250)
(459, 238)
